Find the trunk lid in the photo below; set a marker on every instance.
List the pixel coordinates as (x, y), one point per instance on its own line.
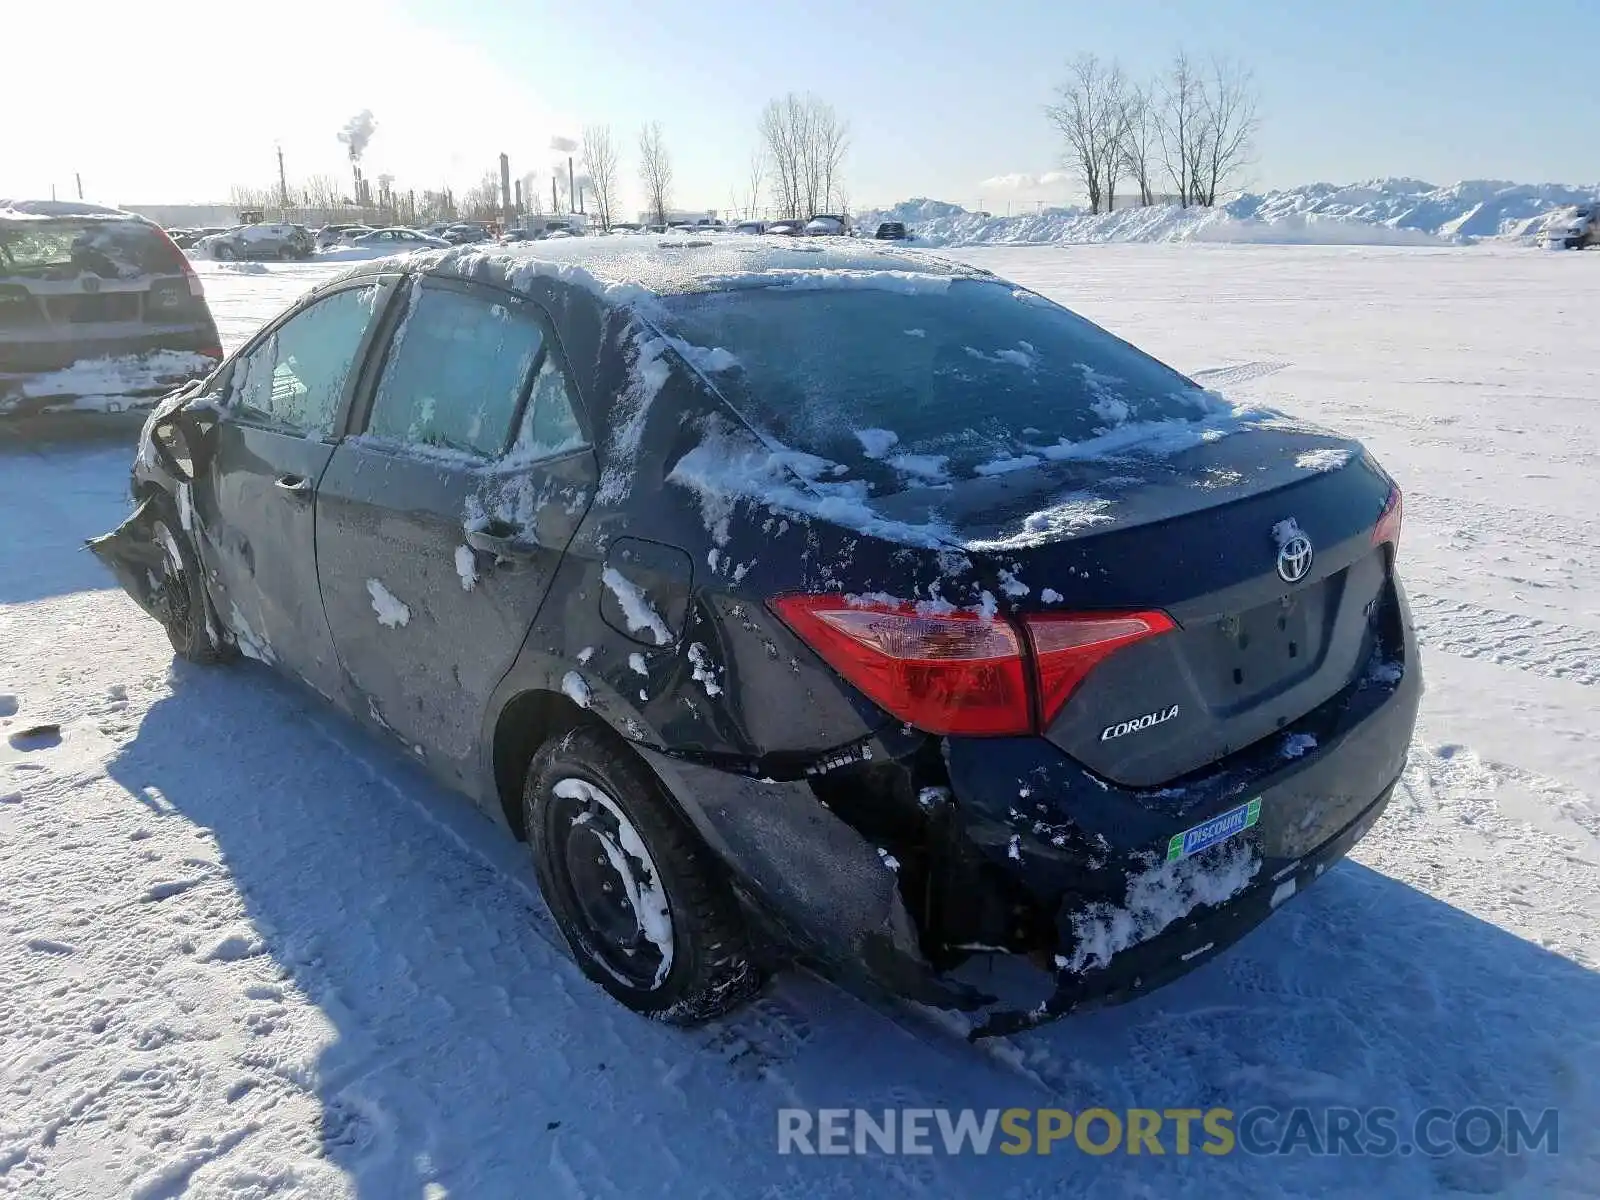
(1198, 535)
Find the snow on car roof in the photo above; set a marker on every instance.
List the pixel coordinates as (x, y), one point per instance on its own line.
(55, 209)
(631, 269)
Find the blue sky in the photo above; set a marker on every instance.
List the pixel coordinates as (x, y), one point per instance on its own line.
(942, 98)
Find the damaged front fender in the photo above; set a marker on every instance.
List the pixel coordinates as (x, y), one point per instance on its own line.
(134, 556)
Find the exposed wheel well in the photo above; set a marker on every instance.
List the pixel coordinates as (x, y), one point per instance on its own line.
(525, 724)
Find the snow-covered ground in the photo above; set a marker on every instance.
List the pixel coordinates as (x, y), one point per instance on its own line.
(1379, 212)
(248, 951)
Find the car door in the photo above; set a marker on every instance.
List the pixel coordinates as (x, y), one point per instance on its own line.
(440, 527)
(285, 398)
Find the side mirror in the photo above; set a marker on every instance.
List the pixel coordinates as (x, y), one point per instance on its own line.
(183, 441)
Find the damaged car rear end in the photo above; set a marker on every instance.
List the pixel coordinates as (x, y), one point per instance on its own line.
(1106, 668)
(99, 310)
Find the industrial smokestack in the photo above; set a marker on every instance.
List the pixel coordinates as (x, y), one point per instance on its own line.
(505, 189)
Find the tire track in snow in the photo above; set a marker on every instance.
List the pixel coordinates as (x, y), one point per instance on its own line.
(1240, 373)
(1496, 523)
(1526, 643)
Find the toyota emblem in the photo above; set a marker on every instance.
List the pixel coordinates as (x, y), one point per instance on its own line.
(1294, 558)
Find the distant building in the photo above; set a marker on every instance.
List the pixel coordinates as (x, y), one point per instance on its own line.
(187, 216)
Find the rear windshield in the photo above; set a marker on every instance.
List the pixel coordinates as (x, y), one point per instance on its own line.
(960, 380)
(68, 249)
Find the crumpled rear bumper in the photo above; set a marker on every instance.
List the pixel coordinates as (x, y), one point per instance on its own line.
(1189, 941)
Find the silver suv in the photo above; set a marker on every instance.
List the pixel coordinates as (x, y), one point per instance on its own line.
(98, 310)
(260, 241)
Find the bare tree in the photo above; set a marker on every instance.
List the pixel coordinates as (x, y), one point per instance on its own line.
(600, 161)
(752, 196)
(830, 138)
(482, 200)
(1090, 114)
(805, 143)
(1178, 128)
(533, 194)
(243, 196)
(1230, 121)
(1139, 143)
(785, 128)
(655, 171)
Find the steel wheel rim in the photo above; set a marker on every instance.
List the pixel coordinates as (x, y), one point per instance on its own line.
(612, 885)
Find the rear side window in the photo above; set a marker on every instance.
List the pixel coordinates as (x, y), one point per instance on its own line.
(954, 377)
(295, 379)
(456, 375)
(65, 249)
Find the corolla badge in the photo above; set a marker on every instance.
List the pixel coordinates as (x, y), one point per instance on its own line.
(1138, 724)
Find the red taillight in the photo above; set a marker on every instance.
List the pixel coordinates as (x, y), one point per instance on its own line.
(1388, 527)
(949, 672)
(1067, 647)
(180, 260)
(960, 672)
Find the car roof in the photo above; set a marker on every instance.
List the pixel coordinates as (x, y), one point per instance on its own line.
(34, 210)
(633, 267)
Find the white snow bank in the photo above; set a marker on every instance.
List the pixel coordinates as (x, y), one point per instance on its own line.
(1392, 212)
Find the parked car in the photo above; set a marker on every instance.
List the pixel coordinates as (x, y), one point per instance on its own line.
(399, 240)
(750, 227)
(845, 641)
(891, 231)
(334, 235)
(98, 309)
(1576, 228)
(185, 239)
(467, 233)
(787, 228)
(265, 241)
(512, 236)
(826, 225)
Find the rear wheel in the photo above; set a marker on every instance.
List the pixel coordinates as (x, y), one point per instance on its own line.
(179, 593)
(222, 252)
(636, 894)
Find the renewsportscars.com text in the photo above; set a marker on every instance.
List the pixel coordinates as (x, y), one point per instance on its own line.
(1158, 1131)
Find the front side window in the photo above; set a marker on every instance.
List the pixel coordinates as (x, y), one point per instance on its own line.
(295, 379)
(458, 371)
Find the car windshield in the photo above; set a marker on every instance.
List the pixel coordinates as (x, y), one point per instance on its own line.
(67, 249)
(959, 379)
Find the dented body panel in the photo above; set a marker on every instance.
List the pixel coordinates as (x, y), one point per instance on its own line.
(461, 604)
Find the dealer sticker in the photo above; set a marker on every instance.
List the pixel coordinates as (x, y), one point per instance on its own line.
(1218, 829)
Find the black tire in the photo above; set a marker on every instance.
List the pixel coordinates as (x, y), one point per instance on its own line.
(710, 970)
(223, 253)
(182, 601)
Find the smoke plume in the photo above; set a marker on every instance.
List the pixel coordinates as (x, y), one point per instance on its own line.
(563, 145)
(357, 132)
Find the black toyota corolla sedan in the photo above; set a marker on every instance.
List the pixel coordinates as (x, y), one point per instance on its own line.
(842, 603)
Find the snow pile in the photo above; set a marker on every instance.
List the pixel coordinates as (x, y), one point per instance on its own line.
(1400, 212)
(637, 610)
(106, 384)
(1156, 898)
(392, 613)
